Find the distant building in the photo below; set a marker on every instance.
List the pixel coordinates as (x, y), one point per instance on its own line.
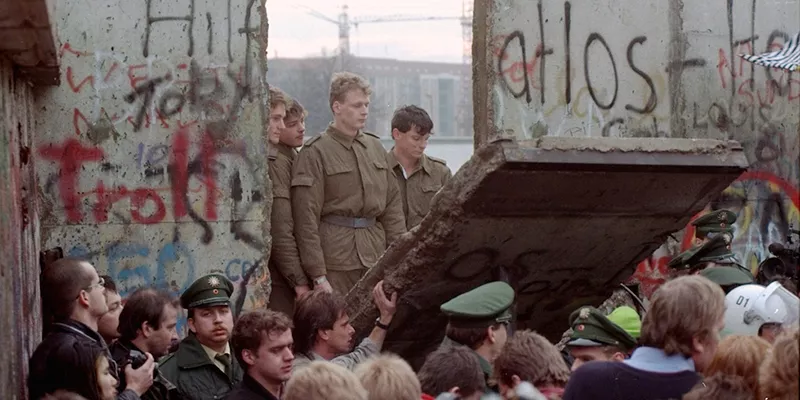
(436, 87)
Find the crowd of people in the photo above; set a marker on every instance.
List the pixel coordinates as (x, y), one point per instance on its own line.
(713, 331)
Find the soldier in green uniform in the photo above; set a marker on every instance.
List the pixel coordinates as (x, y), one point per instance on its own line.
(202, 368)
(728, 278)
(715, 252)
(597, 337)
(713, 224)
(345, 201)
(479, 320)
(419, 176)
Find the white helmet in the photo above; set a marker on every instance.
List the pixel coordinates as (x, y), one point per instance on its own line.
(751, 306)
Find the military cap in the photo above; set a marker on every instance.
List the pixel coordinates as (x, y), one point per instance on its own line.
(714, 222)
(628, 319)
(209, 290)
(715, 249)
(591, 328)
(726, 276)
(679, 262)
(481, 307)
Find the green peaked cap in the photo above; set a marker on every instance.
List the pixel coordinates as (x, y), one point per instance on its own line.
(206, 291)
(591, 328)
(483, 306)
(714, 222)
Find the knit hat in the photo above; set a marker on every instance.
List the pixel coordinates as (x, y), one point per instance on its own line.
(628, 319)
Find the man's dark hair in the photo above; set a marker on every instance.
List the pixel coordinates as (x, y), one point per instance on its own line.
(470, 337)
(109, 284)
(253, 327)
(449, 367)
(315, 310)
(144, 305)
(61, 283)
(407, 117)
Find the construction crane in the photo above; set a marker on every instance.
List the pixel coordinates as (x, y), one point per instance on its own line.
(344, 22)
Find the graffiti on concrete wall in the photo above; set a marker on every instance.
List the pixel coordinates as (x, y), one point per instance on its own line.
(152, 161)
(660, 69)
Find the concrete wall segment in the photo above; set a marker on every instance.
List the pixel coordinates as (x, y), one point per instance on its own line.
(152, 159)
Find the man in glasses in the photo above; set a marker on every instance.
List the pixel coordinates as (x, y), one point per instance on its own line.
(74, 295)
(479, 320)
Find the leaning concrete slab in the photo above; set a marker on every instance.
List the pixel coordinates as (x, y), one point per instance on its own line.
(563, 220)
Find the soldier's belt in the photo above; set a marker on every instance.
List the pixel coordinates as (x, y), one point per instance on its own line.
(349, 222)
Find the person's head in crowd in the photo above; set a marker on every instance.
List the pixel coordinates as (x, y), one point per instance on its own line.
(388, 377)
(90, 374)
(109, 322)
(760, 311)
(349, 101)
(294, 125)
(323, 380)
(411, 128)
(149, 321)
(278, 103)
(321, 325)
(720, 387)
(779, 376)
(479, 318)
(596, 337)
(685, 317)
(740, 356)
(72, 289)
(530, 357)
(209, 310)
(452, 369)
(262, 342)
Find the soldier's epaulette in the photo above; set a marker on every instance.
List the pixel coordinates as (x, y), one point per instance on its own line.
(372, 134)
(439, 160)
(312, 140)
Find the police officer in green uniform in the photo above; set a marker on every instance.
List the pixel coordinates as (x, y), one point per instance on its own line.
(713, 224)
(479, 320)
(715, 252)
(595, 337)
(202, 368)
(728, 278)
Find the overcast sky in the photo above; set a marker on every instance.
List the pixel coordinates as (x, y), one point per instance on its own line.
(295, 33)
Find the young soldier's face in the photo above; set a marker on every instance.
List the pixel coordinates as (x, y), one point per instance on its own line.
(273, 359)
(212, 325)
(411, 143)
(292, 134)
(353, 111)
(276, 115)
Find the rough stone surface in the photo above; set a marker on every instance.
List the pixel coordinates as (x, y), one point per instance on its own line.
(27, 38)
(152, 159)
(20, 319)
(564, 227)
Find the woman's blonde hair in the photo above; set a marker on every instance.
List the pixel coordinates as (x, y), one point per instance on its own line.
(742, 356)
(779, 376)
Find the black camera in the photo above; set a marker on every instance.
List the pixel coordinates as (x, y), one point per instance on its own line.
(136, 359)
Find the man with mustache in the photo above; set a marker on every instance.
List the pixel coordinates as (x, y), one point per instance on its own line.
(419, 176)
(202, 368)
(288, 279)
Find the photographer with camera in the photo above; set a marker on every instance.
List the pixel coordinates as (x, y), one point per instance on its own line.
(147, 325)
(73, 294)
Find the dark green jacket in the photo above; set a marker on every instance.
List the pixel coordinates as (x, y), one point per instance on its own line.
(195, 375)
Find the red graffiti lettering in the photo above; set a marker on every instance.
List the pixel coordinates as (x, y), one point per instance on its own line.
(179, 161)
(722, 65)
(139, 199)
(70, 156)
